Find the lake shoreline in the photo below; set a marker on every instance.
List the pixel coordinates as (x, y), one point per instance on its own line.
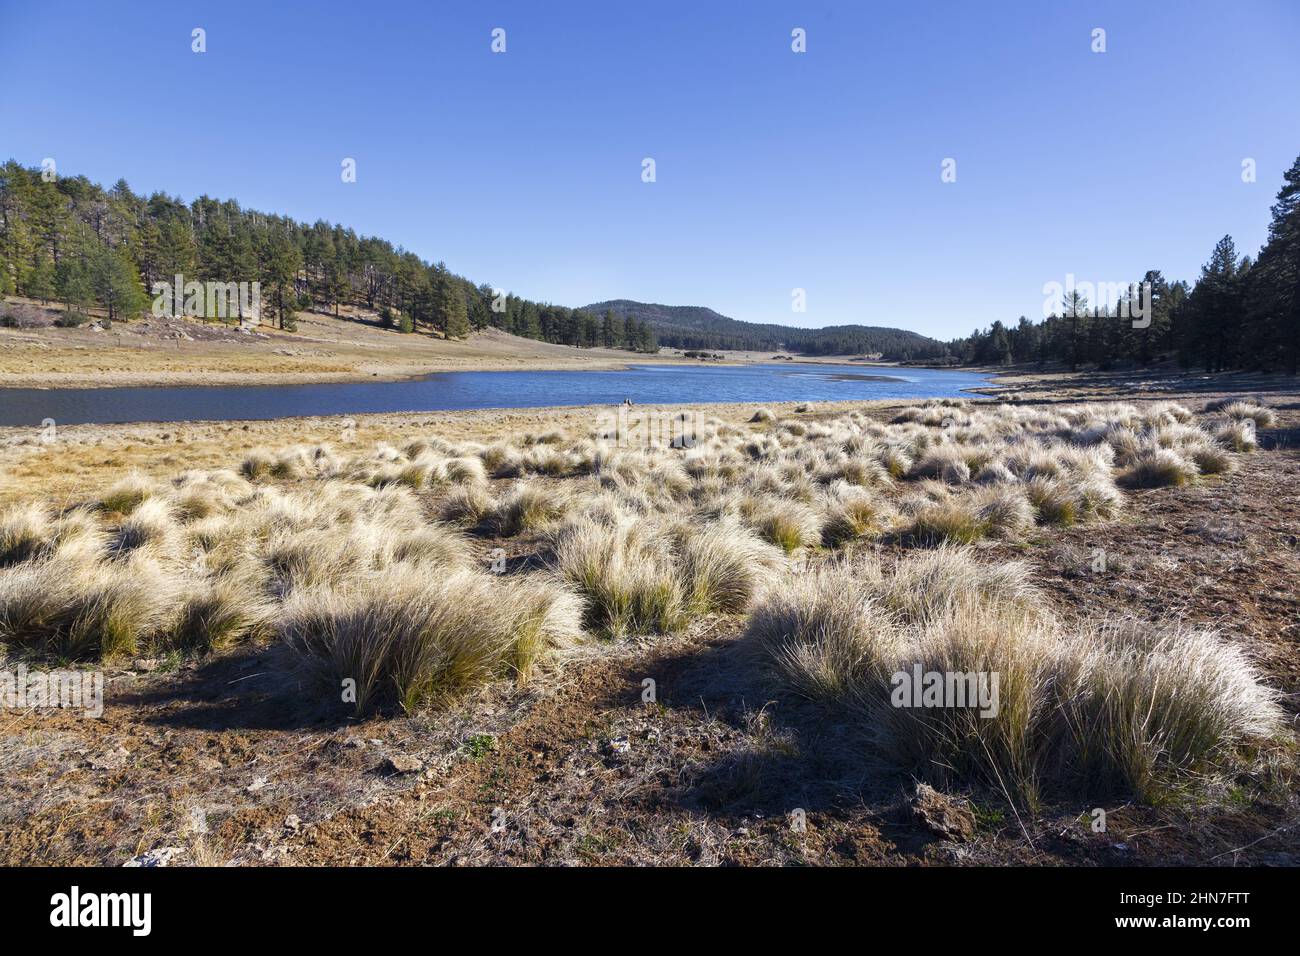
(640, 383)
(325, 349)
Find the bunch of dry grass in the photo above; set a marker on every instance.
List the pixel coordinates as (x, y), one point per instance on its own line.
(151, 528)
(529, 506)
(1212, 459)
(25, 530)
(1003, 511)
(931, 584)
(78, 610)
(126, 495)
(466, 506)
(257, 464)
(791, 525)
(1129, 707)
(723, 565)
(944, 462)
(853, 515)
(1157, 468)
(1242, 409)
(949, 521)
(626, 573)
(1151, 702)
(1237, 435)
(220, 613)
(466, 471)
(828, 638)
(1052, 501)
(413, 640)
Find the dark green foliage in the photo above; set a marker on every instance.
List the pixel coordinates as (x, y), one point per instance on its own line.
(73, 241)
(1239, 315)
(71, 319)
(696, 328)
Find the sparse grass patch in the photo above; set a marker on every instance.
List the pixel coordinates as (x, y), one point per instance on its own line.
(1158, 468)
(127, 495)
(1133, 708)
(528, 507)
(952, 521)
(418, 641)
(626, 574)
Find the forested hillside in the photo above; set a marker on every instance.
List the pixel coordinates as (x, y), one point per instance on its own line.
(68, 240)
(1241, 313)
(695, 327)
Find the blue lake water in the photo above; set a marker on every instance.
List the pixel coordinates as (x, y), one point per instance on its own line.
(643, 384)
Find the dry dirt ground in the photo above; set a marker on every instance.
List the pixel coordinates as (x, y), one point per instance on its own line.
(235, 759)
(169, 351)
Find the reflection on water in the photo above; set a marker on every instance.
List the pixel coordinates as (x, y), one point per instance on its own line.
(643, 384)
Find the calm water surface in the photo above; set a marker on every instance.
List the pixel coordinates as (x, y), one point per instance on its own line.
(644, 384)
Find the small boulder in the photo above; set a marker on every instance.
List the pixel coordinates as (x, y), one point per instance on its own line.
(113, 759)
(944, 816)
(159, 856)
(404, 763)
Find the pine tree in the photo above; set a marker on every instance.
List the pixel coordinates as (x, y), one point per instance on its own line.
(1215, 309)
(1273, 296)
(279, 268)
(72, 280)
(116, 285)
(611, 330)
(40, 280)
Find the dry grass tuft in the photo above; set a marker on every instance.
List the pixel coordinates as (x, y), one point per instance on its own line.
(1123, 707)
(417, 641)
(1158, 468)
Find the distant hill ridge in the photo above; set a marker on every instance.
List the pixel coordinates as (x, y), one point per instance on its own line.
(697, 327)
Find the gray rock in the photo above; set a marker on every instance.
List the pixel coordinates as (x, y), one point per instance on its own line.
(159, 856)
(404, 763)
(944, 816)
(109, 760)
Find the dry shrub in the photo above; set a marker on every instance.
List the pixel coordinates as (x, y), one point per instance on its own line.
(1157, 468)
(465, 506)
(790, 525)
(1129, 707)
(625, 572)
(951, 521)
(415, 640)
(529, 507)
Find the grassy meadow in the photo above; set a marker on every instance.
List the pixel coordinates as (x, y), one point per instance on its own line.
(837, 546)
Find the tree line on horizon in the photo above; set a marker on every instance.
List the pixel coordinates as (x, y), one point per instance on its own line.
(1240, 314)
(68, 240)
(696, 328)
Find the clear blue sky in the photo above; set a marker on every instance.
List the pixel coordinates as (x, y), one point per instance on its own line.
(775, 170)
